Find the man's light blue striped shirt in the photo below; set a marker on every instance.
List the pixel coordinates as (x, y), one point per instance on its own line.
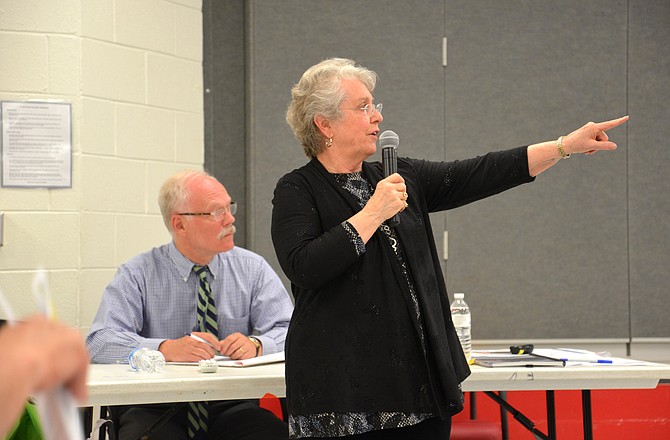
(153, 298)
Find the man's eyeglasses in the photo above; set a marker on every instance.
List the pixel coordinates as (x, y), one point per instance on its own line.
(370, 109)
(217, 215)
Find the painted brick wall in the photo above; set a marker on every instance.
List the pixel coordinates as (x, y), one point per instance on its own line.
(132, 71)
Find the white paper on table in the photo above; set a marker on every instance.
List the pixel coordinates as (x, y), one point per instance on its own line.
(225, 361)
(259, 360)
(574, 356)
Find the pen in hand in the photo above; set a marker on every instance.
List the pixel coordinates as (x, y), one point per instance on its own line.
(198, 338)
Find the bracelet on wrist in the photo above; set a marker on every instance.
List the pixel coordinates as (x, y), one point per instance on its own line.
(559, 147)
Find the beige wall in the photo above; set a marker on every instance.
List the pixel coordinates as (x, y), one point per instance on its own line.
(132, 71)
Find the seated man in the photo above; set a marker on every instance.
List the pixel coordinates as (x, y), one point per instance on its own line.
(199, 283)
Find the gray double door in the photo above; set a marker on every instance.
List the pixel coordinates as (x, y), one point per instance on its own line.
(551, 259)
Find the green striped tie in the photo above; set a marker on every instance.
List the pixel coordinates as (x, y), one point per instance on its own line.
(206, 307)
(197, 411)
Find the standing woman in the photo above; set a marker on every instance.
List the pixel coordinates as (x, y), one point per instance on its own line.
(371, 351)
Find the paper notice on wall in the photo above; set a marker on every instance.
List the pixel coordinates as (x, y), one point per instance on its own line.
(36, 144)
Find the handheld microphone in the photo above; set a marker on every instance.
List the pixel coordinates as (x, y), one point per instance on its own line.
(388, 142)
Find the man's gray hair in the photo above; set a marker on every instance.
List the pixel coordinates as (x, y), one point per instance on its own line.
(175, 195)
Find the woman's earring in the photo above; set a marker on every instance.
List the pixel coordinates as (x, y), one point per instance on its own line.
(329, 142)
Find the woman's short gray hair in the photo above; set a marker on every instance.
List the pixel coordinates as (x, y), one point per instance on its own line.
(175, 193)
(319, 91)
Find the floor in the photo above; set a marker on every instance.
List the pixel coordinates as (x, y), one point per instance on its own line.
(617, 414)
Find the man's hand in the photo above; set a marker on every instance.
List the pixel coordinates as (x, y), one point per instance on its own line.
(238, 346)
(188, 349)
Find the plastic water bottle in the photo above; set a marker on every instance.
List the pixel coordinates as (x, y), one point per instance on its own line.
(460, 315)
(146, 360)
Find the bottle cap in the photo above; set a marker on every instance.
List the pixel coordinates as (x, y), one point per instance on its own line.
(459, 295)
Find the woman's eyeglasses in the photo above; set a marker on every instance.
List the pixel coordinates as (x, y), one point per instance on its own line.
(369, 109)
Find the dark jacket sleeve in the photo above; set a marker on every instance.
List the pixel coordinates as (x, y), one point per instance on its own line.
(311, 249)
(449, 185)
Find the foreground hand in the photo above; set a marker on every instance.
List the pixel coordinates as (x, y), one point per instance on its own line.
(238, 346)
(188, 349)
(39, 355)
(49, 353)
(591, 137)
(64, 354)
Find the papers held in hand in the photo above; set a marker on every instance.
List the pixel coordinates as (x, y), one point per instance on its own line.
(489, 359)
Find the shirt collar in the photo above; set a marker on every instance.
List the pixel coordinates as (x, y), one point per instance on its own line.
(185, 266)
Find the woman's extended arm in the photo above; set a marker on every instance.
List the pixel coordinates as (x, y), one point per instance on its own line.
(587, 139)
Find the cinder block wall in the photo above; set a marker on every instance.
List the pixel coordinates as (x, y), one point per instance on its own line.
(132, 71)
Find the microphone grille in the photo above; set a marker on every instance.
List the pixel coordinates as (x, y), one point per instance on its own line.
(389, 139)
